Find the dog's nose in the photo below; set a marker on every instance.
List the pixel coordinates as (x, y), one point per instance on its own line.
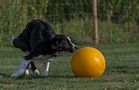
(76, 47)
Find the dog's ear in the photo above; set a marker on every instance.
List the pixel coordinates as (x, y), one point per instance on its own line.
(56, 44)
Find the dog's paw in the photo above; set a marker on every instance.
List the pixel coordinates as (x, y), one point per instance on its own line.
(26, 72)
(36, 72)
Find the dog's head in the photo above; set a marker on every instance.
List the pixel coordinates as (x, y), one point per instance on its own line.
(63, 43)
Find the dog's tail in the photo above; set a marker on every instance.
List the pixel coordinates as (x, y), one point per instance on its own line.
(12, 39)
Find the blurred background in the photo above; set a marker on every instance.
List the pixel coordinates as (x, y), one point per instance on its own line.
(118, 20)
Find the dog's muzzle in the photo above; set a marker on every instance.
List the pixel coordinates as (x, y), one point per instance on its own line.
(74, 48)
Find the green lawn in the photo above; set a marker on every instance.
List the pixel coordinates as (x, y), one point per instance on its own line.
(122, 71)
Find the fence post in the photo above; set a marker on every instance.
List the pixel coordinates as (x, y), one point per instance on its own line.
(95, 36)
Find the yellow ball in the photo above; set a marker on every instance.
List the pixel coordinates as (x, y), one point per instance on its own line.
(88, 62)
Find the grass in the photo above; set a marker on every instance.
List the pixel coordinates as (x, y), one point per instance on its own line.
(122, 72)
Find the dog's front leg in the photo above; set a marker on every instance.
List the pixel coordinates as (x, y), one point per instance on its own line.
(34, 69)
(47, 66)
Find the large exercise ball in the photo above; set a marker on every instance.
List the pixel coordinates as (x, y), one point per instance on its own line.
(88, 62)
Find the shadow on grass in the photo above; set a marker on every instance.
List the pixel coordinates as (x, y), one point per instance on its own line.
(56, 76)
(7, 75)
(31, 76)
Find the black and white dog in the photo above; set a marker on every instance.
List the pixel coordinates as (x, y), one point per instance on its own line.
(39, 39)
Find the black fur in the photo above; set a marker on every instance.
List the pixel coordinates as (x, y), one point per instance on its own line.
(38, 38)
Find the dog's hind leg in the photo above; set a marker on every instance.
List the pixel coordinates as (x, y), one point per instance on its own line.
(23, 64)
(21, 68)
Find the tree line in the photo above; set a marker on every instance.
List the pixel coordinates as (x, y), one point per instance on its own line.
(15, 13)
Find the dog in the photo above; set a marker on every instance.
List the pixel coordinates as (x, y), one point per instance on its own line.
(38, 39)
